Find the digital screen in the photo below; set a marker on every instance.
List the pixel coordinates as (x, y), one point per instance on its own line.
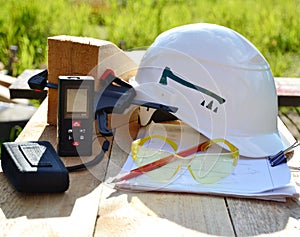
(77, 101)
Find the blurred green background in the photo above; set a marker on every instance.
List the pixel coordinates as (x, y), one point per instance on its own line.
(271, 25)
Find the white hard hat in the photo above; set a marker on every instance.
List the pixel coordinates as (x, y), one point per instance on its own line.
(220, 83)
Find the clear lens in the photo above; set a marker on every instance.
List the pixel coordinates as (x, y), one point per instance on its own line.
(211, 168)
(164, 173)
(206, 168)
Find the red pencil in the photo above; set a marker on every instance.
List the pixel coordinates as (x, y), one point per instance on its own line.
(156, 164)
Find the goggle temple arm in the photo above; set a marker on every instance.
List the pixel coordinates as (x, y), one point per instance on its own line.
(233, 150)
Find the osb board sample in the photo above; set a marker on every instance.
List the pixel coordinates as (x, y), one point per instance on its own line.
(81, 56)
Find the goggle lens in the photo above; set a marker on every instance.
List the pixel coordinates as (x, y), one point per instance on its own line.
(206, 168)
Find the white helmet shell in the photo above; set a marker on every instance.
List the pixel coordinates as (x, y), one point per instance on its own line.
(220, 83)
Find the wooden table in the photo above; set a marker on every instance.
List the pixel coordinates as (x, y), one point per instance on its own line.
(92, 208)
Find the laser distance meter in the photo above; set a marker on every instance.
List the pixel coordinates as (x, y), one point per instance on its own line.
(75, 115)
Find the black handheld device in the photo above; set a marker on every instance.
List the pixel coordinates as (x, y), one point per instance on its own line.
(75, 115)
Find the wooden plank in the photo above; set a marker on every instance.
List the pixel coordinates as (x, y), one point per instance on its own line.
(72, 213)
(124, 213)
(4, 94)
(75, 212)
(168, 214)
(36, 126)
(290, 117)
(6, 80)
(287, 86)
(21, 89)
(256, 217)
(288, 91)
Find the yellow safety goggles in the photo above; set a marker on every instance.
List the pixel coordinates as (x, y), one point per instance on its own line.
(205, 165)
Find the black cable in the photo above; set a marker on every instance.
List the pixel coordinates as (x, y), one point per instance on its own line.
(93, 162)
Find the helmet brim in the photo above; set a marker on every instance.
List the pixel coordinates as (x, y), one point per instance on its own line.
(262, 145)
(259, 146)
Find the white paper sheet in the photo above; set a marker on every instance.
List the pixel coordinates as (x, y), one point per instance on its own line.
(251, 177)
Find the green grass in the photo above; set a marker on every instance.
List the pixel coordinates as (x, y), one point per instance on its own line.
(28, 23)
(271, 25)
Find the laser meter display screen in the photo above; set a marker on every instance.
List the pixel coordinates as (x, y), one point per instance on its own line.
(77, 101)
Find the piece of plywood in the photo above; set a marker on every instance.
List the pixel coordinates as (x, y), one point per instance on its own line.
(81, 56)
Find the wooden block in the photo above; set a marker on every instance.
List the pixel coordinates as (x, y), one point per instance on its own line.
(70, 55)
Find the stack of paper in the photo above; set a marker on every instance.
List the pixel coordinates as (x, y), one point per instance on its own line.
(252, 177)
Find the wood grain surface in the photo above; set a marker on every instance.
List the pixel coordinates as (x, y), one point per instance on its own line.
(91, 207)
